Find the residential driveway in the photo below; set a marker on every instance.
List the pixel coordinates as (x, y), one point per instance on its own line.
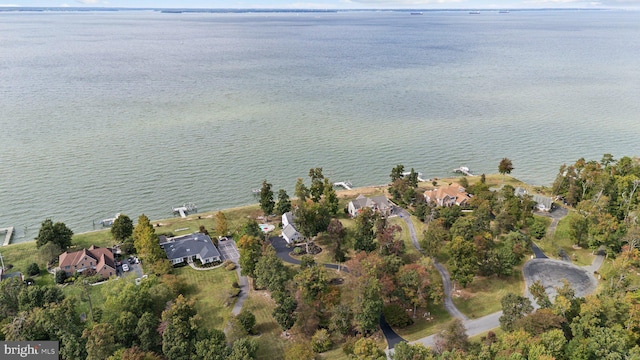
(444, 274)
(228, 250)
(282, 250)
(556, 215)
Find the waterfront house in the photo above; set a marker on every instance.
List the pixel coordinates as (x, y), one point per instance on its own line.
(453, 194)
(97, 258)
(287, 219)
(377, 203)
(186, 248)
(290, 234)
(543, 203)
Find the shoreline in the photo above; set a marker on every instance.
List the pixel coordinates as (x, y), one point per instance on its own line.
(341, 193)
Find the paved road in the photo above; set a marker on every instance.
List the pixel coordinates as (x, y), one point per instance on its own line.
(446, 279)
(229, 251)
(538, 252)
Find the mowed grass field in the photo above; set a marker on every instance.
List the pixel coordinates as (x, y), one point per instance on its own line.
(210, 289)
(482, 297)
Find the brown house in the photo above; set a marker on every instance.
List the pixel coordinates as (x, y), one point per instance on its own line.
(99, 259)
(453, 194)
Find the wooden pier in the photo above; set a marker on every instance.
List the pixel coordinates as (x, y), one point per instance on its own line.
(463, 170)
(345, 184)
(8, 232)
(420, 178)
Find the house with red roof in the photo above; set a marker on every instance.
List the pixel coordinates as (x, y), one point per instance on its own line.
(97, 258)
(454, 194)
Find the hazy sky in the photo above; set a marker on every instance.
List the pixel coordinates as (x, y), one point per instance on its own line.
(333, 4)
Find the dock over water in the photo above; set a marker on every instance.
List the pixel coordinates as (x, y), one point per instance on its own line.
(463, 170)
(8, 232)
(345, 184)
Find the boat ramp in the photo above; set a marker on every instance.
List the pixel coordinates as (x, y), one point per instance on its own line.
(8, 232)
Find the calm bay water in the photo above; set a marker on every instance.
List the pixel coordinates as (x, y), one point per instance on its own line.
(136, 112)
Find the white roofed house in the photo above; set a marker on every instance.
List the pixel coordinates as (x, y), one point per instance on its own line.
(377, 203)
(186, 248)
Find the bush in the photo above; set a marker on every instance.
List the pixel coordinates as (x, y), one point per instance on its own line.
(321, 341)
(235, 284)
(297, 250)
(234, 292)
(33, 269)
(247, 320)
(61, 276)
(537, 228)
(230, 265)
(396, 316)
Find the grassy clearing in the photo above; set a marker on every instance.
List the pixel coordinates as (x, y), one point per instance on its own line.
(482, 296)
(82, 295)
(562, 240)
(271, 344)
(210, 288)
(423, 327)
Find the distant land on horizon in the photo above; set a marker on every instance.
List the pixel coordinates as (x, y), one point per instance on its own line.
(273, 10)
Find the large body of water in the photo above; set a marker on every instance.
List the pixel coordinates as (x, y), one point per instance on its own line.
(132, 112)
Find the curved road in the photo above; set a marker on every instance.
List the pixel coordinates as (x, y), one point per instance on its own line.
(491, 321)
(446, 279)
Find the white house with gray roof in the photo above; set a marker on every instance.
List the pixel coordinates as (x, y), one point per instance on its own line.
(376, 203)
(289, 231)
(186, 248)
(543, 203)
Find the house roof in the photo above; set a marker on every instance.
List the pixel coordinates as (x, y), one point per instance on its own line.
(289, 231)
(190, 245)
(546, 201)
(102, 256)
(287, 218)
(380, 202)
(454, 190)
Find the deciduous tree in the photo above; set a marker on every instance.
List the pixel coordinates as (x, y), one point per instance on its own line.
(514, 307)
(505, 167)
(364, 235)
(57, 233)
(122, 228)
(463, 261)
(250, 249)
(222, 227)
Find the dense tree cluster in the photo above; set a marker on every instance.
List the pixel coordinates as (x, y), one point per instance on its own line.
(605, 195)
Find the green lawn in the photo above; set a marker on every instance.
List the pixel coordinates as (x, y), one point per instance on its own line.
(562, 239)
(210, 288)
(482, 296)
(271, 344)
(423, 327)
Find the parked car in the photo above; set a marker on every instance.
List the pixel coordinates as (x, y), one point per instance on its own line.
(125, 267)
